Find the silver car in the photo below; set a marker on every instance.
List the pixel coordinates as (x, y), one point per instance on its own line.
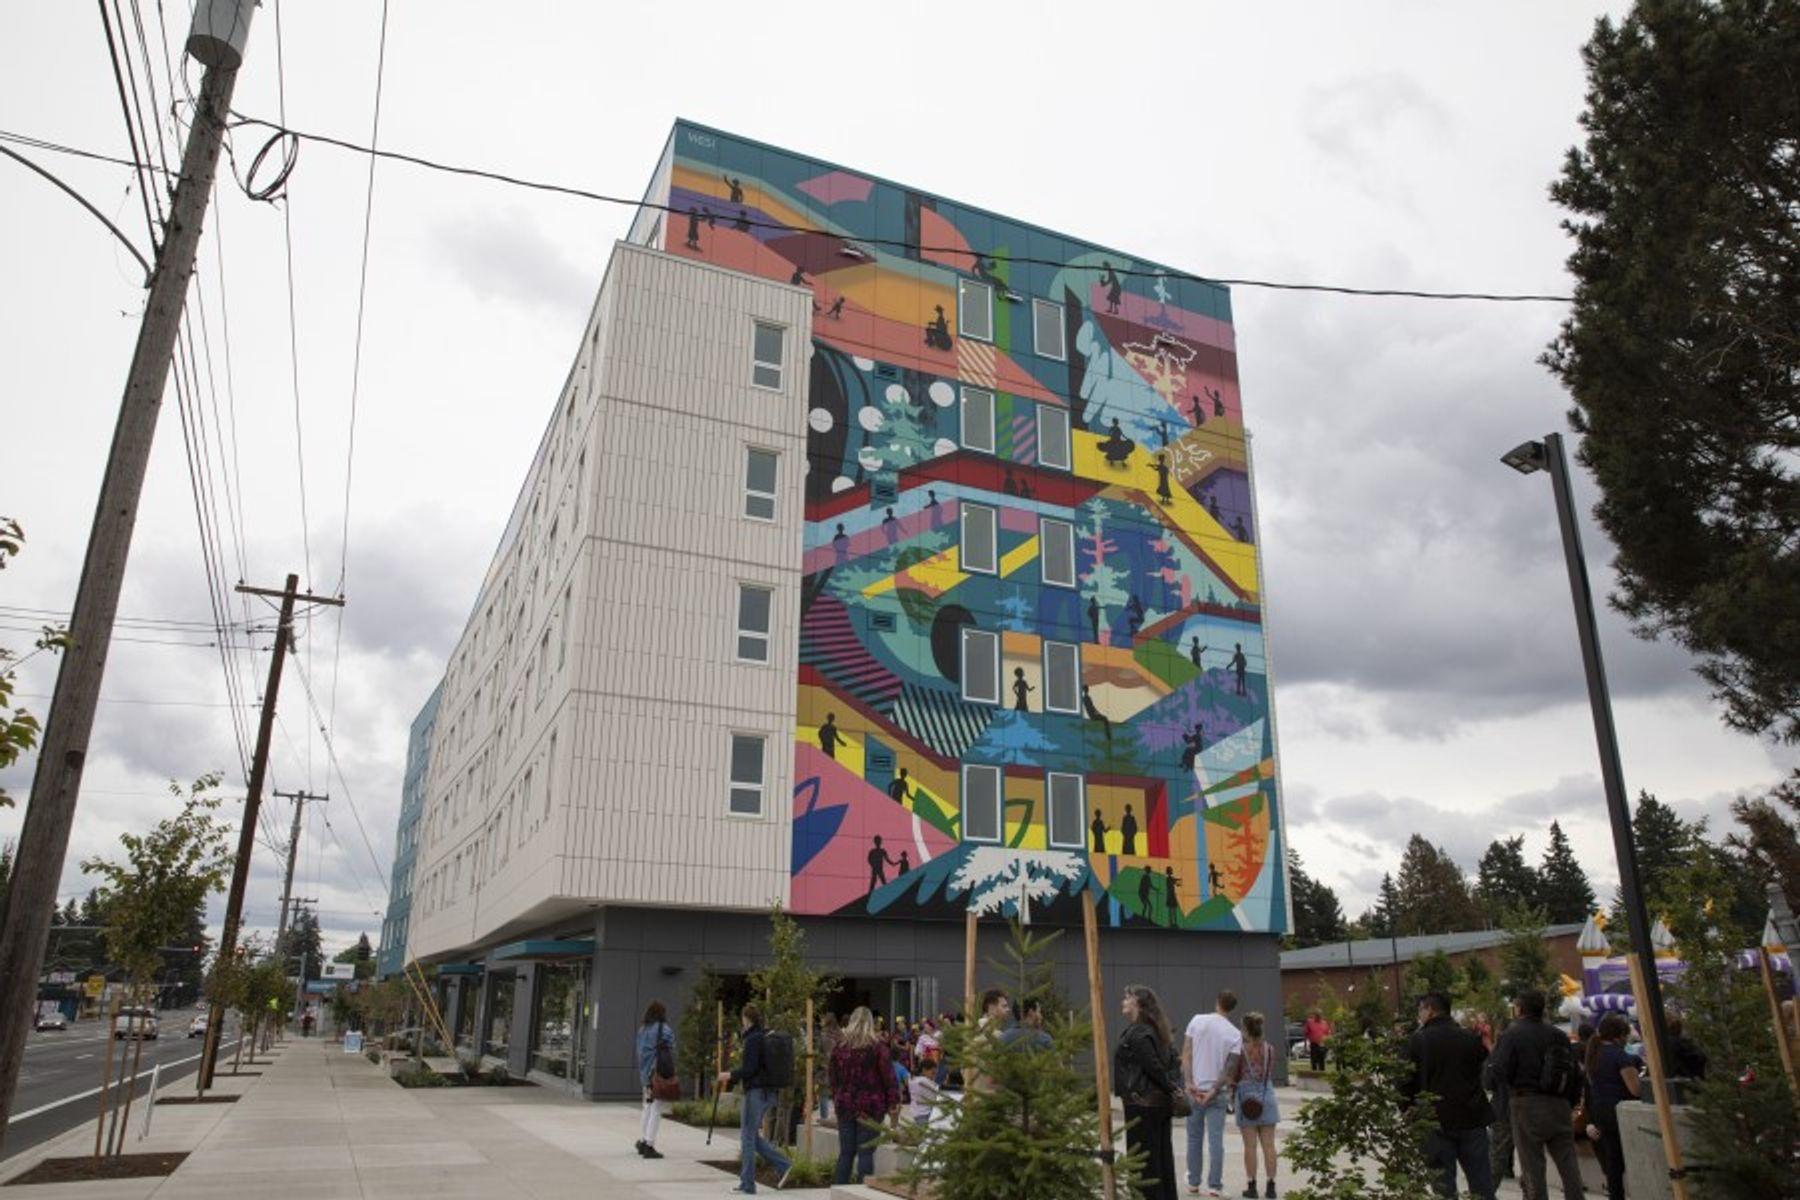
(137, 1022)
(51, 1020)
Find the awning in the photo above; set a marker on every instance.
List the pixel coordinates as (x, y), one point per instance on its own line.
(459, 969)
(544, 949)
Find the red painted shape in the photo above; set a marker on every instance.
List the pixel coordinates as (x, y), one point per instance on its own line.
(1157, 818)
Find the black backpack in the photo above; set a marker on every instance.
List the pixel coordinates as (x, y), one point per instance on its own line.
(1559, 1076)
(665, 1053)
(778, 1061)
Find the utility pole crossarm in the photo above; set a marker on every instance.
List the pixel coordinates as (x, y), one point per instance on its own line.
(299, 597)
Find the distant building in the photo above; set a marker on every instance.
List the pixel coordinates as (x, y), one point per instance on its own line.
(390, 957)
(1344, 967)
(885, 558)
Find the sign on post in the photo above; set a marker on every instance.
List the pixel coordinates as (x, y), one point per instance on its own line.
(353, 1042)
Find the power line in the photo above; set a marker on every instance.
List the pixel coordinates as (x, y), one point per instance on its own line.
(331, 750)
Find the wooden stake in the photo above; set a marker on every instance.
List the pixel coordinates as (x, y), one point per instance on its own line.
(112, 1035)
(1659, 1085)
(1090, 926)
(806, 1129)
(970, 925)
(1781, 1030)
(719, 1042)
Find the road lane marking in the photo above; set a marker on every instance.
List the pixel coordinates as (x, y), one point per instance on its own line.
(55, 1104)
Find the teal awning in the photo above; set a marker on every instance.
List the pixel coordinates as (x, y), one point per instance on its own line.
(544, 948)
(460, 969)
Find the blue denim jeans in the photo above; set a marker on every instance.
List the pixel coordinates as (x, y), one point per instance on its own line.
(856, 1149)
(1445, 1149)
(1208, 1122)
(757, 1101)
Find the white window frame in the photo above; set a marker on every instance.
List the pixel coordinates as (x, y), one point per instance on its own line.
(733, 785)
(1044, 523)
(751, 494)
(767, 636)
(1079, 841)
(1062, 337)
(964, 429)
(759, 365)
(1063, 447)
(992, 514)
(1074, 706)
(993, 640)
(999, 813)
(966, 289)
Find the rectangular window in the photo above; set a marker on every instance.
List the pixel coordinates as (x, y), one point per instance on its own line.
(754, 604)
(1047, 328)
(1067, 807)
(550, 775)
(980, 539)
(981, 804)
(980, 666)
(978, 419)
(1062, 677)
(975, 309)
(765, 367)
(543, 665)
(568, 619)
(1053, 436)
(1056, 552)
(759, 484)
(746, 775)
(525, 795)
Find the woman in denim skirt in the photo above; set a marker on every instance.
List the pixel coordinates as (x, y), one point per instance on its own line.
(1257, 1112)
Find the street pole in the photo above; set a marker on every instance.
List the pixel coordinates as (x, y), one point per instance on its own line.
(1612, 774)
(217, 40)
(287, 884)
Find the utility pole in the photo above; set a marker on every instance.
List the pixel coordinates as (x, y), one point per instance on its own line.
(259, 768)
(300, 973)
(216, 40)
(288, 902)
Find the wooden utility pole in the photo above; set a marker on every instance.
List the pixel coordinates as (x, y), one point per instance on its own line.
(1782, 1042)
(259, 768)
(1090, 929)
(217, 40)
(971, 927)
(287, 885)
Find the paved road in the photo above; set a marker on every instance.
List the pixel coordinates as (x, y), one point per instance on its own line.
(59, 1084)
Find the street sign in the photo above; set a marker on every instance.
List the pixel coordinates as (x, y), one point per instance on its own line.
(353, 1042)
(95, 987)
(60, 977)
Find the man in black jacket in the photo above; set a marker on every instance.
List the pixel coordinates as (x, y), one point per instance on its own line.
(1541, 1106)
(759, 1097)
(1446, 1061)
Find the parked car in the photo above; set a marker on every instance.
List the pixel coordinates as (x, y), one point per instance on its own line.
(137, 1022)
(52, 1020)
(197, 1026)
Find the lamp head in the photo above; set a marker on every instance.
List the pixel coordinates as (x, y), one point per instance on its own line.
(1525, 458)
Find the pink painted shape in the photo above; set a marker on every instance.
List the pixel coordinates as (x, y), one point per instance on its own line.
(873, 539)
(1138, 310)
(839, 874)
(942, 243)
(833, 186)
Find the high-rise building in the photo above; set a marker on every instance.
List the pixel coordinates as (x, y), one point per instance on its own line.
(883, 558)
(391, 956)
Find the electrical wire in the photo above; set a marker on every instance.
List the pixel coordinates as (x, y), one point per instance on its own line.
(331, 751)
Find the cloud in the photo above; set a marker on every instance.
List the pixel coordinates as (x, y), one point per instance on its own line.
(504, 253)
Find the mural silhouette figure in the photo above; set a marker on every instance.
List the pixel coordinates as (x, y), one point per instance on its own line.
(840, 546)
(1192, 746)
(937, 330)
(900, 789)
(1162, 434)
(836, 311)
(1162, 477)
(1170, 883)
(934, 508)
(879, 862)
(742, 224)
(799, 279)
(1093, 612)
(1214, 884)
(1146, 877)
(1237, 528)
(1212, 509)
(904, 866)
(829, 737)
(1099, 831)
(1021, 690)
(890, 527)
(1128, 829)
(693, 233)
(1117, 447)
(1008, 484)
(1197, 413)
(1217, 399)
(1134, 614)
(1113, 288)
(737, 188)
(1195, 650)
(1239, 667)
(1093, 714)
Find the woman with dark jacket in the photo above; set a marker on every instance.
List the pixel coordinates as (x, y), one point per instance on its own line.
(864, 1090)
(1612, 1078)
(1145, 1077)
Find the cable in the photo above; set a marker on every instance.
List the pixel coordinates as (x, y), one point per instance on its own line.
(130, 132)
(83, 201)
(331, 751)
(287, 233)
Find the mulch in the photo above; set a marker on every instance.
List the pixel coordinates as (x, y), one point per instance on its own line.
(765, 1174)
(83, 1169)
(214, 1099)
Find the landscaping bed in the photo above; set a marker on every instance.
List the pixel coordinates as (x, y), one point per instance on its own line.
(808, 1172)
(85, 1168)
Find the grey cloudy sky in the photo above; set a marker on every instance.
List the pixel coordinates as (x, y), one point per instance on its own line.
(1427, 672)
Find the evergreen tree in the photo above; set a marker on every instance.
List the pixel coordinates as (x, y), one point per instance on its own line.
(71, 913)
(1666, 846)
(1029, 970)
(1525, 956)
(1318, 916)
(1681, 350)
(1356, 1143)
(1432, 894)
(1478, 990)
(783, 986)
(305, 948)
(1378, 921)
(697, 1030)
(1564, 891)
(1433, 972)
(1503, 879)
(1769, 839)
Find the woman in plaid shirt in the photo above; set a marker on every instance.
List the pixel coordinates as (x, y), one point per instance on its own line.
(863, 1087)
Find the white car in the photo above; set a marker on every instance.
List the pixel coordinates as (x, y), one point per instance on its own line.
(197, 1027)
(137, 1022)
(51, 1020)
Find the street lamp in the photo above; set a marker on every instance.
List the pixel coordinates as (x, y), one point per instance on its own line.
(1547, 455)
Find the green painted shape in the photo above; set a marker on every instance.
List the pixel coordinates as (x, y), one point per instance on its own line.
(1166, 662)
(1218, 816)
(1013, 806)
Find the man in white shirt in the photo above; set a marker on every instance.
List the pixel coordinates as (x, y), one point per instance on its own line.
(1209, 1056)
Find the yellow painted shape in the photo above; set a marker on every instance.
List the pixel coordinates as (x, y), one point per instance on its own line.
(935, 576)
(1019, 555)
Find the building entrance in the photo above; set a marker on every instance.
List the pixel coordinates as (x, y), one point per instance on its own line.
(559, 1027)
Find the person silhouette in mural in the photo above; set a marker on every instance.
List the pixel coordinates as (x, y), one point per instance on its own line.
(1162, 434)
(890, 527)
(1099, 830)
(937, 330)
(900, 789)
(742, 224)
(836, 311)
(1128, 832)
(693, 234)
(1113, 288)
(1214, 883)
(799, 279)
(1212, 509)
(1239, 666)
(840, 545)
(984, 269)
(904, 866)
(1192, 745)
(1199, 414)
(1170, 883)
(933, 508)
(1094, 616)
(829, 737)
(737, 188)
(1237, 528)
(1134, 614)
(1218, 400)
(1008, 484)
(1195, 650)
(1093, 714)
(1162, 479)
(1117, 447)
(1146, 879)
(879, 862)
(1024, 489)
(1021, 690)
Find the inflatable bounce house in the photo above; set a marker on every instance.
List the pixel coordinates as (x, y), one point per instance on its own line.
(1605, 983)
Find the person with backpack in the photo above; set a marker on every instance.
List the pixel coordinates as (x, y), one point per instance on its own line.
(1257, 1113)
(1147, 1078)
(1536, 1063)
(1614, 1076)
(767, 1066)
(864, 1090)
(656, 1071)
(1446, 1063)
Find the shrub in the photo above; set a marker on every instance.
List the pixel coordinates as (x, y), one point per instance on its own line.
(697, 1112)
(809, 1172)
(420, 1077)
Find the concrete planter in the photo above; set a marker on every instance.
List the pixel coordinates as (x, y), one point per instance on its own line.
(1646, 1166)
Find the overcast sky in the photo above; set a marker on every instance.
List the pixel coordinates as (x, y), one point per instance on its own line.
(1427, 672)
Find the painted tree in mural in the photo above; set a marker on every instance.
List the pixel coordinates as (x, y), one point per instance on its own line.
(900, 440)
(1101, 583)
(1015, 739)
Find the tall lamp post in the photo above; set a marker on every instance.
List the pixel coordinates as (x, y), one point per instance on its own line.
(1548, 455)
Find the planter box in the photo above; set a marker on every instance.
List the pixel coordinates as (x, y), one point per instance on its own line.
(1646, 1167)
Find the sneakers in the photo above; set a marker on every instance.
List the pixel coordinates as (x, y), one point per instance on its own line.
(650, 1151)
(640, 1145)
(1250, 1192)
(1269, 1190)
(782, 1182)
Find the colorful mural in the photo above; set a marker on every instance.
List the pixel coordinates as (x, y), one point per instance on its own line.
(1114, 411)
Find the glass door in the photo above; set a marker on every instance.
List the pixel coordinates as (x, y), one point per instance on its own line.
(558, 1041)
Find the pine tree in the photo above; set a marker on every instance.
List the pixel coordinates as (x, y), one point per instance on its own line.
(1029, 970)
(1378, 921)
(1565, 892)
(1356, 1143)
(783, 986)
(1478, 990)
(1433, 972)
(1433, 896)
(1665, 845)
(697, 1030)
(305, 944)
(1525, 956)
(1503, 879)
(1769, 839)
(1318, 916)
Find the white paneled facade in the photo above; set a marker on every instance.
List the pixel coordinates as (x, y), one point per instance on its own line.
(582, 750)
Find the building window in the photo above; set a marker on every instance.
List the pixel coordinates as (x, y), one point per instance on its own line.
(1067, 806)
(765, 368)
(1062, 677)
(1047, 328)
(543, 665)
(980, 539)
(978, 419)
(550, 776)
(1056, 552)
(746, 775)
(1053, 436)
(754, 604)
(975, 309)
(980, 666)
(759, 484)
(568, 619)
(981, 804)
